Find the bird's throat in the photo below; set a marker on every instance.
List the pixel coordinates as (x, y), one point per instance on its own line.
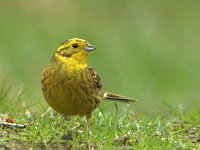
(71, 65)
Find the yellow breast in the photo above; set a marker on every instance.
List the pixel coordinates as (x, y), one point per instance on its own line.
(67, 90)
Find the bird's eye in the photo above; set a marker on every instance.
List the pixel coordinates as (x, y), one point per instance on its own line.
(75, 45)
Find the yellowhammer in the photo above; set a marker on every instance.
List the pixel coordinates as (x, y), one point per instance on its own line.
(70, 85)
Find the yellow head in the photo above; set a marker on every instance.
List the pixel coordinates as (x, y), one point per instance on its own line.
(74, 50)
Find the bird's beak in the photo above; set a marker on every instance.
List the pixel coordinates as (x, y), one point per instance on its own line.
(89, 47)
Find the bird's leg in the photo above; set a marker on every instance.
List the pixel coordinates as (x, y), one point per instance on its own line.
(88, 117)
(64, 118)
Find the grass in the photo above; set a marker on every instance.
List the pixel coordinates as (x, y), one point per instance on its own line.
(175, 129)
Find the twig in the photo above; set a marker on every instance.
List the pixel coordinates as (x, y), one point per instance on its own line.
(21, 126)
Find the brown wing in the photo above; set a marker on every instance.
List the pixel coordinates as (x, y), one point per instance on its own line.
(94, 78)
(96, 83)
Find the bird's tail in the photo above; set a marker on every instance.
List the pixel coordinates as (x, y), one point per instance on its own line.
(117, 98)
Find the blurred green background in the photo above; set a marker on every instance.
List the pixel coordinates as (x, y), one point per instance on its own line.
(148, 50)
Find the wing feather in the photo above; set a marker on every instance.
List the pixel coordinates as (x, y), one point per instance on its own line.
(94, 78)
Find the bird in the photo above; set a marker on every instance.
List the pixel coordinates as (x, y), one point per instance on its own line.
(70, 85)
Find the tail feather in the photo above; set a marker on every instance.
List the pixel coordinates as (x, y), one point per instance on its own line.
(118, 98)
